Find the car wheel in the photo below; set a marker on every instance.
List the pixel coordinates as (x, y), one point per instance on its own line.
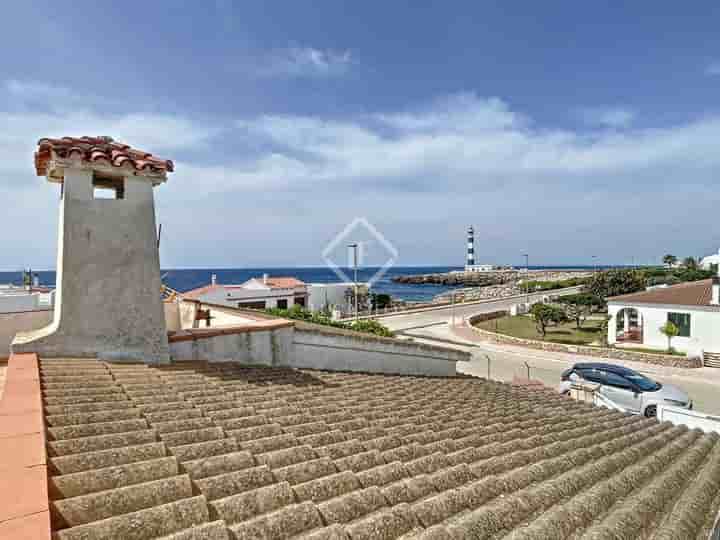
(651, 411)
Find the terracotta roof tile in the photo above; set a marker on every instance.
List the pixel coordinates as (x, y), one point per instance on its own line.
(97, 149)
(284, 282)
(694, 293)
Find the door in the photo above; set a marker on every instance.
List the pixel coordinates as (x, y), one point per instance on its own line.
(621, 392)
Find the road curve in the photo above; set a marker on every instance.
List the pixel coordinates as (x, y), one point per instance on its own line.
(399, 322)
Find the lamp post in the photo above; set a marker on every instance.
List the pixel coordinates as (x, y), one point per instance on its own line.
(354, 247)
(595, 268)
(527, 278)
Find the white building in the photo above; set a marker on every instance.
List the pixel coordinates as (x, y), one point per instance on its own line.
(257, 293)
(333, 296)
(17, 299)
(693, 307)
(708, 261)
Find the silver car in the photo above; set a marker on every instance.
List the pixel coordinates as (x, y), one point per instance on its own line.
(625, 389)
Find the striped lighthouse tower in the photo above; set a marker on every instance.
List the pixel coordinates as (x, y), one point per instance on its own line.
(470, 248)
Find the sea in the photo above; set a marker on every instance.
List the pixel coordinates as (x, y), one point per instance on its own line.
(185, 279)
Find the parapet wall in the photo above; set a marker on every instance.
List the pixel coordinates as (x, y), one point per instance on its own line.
(319, 347)
(277, 342)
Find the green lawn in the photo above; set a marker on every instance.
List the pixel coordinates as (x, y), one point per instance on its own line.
(524, 327)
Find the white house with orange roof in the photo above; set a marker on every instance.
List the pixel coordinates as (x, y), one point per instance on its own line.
(694, 308)
(256, 293)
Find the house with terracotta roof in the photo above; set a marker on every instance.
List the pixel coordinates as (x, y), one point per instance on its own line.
(256, 293)
(693, 307)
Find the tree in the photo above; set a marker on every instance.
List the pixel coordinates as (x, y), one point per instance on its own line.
(669, 260)
(615, 282)
(690, 263)
(577, 312)
(669, 330)
(546, 315)
(380, 300)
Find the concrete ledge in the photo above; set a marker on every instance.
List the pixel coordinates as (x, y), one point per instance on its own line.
(24, 507)
(341, 350)
(601, 352)
(204, 333)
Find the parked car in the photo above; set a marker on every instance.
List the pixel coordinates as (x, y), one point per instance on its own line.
(625, 389)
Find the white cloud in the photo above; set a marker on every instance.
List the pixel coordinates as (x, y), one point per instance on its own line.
(304, 62)
(713, 68)
(610, 117)
(469, 141)
(414, 172)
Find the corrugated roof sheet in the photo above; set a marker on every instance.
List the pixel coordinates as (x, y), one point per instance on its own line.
(217, 451)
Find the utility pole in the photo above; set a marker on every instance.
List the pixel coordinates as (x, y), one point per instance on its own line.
(595, 267)
(527, 278)
(354, 247)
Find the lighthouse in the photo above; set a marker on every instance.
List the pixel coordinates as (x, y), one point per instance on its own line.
(470, 264)
(470, 247)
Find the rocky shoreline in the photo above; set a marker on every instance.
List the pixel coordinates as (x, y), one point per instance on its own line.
(483, 279)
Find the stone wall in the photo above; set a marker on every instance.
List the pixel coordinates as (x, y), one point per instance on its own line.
(600, 352)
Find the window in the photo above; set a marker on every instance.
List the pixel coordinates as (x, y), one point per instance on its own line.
(108, 187)
(682, 321)
(592, 375)
(617, 381)
(282, 304)
(251, 305)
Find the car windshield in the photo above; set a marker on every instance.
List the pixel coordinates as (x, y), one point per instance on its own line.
(642, 382)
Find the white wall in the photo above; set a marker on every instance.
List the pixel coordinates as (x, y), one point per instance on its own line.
(234, 295)
(347, 351)
(12, 323)
(691, 419)
(704, 327)
(272, 347)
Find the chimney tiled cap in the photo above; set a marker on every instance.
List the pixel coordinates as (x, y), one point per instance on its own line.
(100, 150)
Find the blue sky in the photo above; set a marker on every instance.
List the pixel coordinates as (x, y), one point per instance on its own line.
(562, 129)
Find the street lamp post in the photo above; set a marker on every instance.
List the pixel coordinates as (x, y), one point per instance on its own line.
(595, 267)
(527, 278)
(355, 281)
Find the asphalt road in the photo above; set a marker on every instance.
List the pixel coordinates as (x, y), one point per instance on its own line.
(441, 315)
(703, 384)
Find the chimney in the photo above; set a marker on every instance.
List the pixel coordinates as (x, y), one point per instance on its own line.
(715, 300)
(265, 279)
(213, 279)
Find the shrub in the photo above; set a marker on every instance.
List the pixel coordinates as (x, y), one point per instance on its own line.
(370, 326)
(298, 313)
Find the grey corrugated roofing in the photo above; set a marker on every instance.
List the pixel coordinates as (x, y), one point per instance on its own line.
(217, 451)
